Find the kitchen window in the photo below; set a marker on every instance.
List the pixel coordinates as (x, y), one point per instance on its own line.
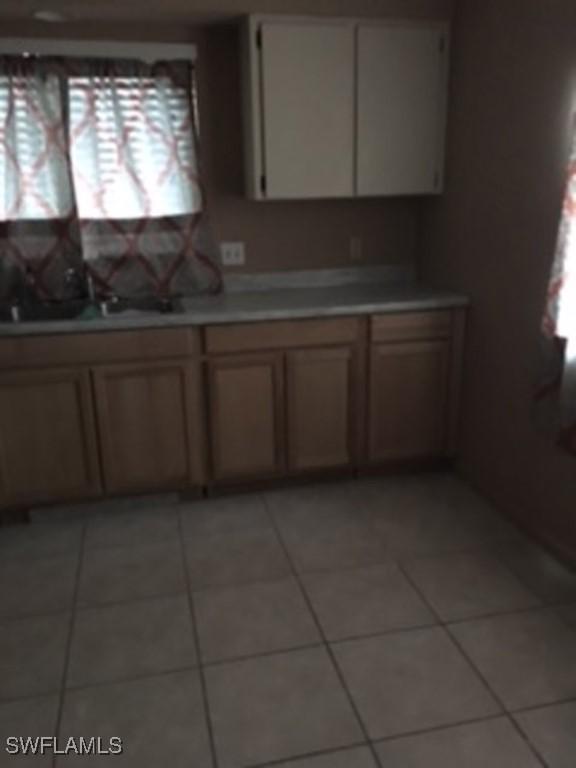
(132, 147)
(98, 163)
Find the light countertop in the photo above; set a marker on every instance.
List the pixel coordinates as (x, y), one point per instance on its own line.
(260, 305)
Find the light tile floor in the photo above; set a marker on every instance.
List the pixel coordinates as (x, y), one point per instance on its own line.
(383, 623)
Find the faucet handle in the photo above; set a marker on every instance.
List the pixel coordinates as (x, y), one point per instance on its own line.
(107, 304)
(30, 278)
(90, 287)
(70, 275)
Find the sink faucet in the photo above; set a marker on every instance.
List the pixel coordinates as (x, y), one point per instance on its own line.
(90, 287)
(80, 283)
(74, 282)
(24, 290)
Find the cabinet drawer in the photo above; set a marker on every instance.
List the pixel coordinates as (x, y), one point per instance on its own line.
(411, 326)
(92, 348)
(245, 337)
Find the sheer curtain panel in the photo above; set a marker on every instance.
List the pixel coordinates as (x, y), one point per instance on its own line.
(559, 323)
(38, 231)
(134, 159)
(104, 154)
(133, 151)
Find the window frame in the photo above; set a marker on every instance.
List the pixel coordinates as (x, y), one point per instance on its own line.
(146, 52)
(98, 49)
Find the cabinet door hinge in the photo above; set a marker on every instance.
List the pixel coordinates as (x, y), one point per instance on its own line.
(263, 184)
(259, 38)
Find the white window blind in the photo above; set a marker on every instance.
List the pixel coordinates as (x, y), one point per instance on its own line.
(34, 171)
(132, 147)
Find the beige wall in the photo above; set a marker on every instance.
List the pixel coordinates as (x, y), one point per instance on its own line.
(284, 235)
(295, 235)
(493, 236)
(186, 10)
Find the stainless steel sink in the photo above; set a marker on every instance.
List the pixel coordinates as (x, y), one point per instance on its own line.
(145, 305)
(45, 311)
(85, 309)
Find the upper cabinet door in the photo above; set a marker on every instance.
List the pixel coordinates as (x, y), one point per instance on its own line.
(402, 73)
(307, 109)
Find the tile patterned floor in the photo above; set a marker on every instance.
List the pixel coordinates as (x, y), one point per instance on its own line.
(390, 623)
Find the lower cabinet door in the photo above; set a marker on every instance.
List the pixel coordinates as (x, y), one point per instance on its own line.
(246, 416)
(151, 425)
(47, 437)
(408, 400)
(321, 386)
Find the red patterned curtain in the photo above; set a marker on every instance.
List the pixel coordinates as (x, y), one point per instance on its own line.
(559, 324)
(118, 158)
(39, 236)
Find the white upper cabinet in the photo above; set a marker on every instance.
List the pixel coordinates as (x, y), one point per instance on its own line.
(306, 93)
(340, 108)
(401, 109)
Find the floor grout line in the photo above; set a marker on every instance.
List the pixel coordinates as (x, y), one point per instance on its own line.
(263, 655)
(497, 697)
(81, 607)
(547, 705)
(131, 678)
(326, 644)
(9, 558)
(147, 544)
(278, 652)
(105, 683)
(495, 615)
(457, 645)
(528, 741)
(306, 756)
(440, 728)
(201, 670)
(299, 577)
(446, 626)
(69, 639)
(13, 619)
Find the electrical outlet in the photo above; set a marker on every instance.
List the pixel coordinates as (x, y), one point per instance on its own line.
(232, 254)
(355, 248)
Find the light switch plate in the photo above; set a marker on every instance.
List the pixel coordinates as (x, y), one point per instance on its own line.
(232, 254)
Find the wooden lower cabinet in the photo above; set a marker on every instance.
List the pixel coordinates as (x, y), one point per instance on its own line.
(150, 424)
(408, 409)
(47, 437)
(321, 395)
(246, 416)
(268, 400)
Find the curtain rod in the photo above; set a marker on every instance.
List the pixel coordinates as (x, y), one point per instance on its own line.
(96, 49)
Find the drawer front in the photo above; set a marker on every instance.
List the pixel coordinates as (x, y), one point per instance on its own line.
(411, 326)
(246, 337)
(93, 348)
